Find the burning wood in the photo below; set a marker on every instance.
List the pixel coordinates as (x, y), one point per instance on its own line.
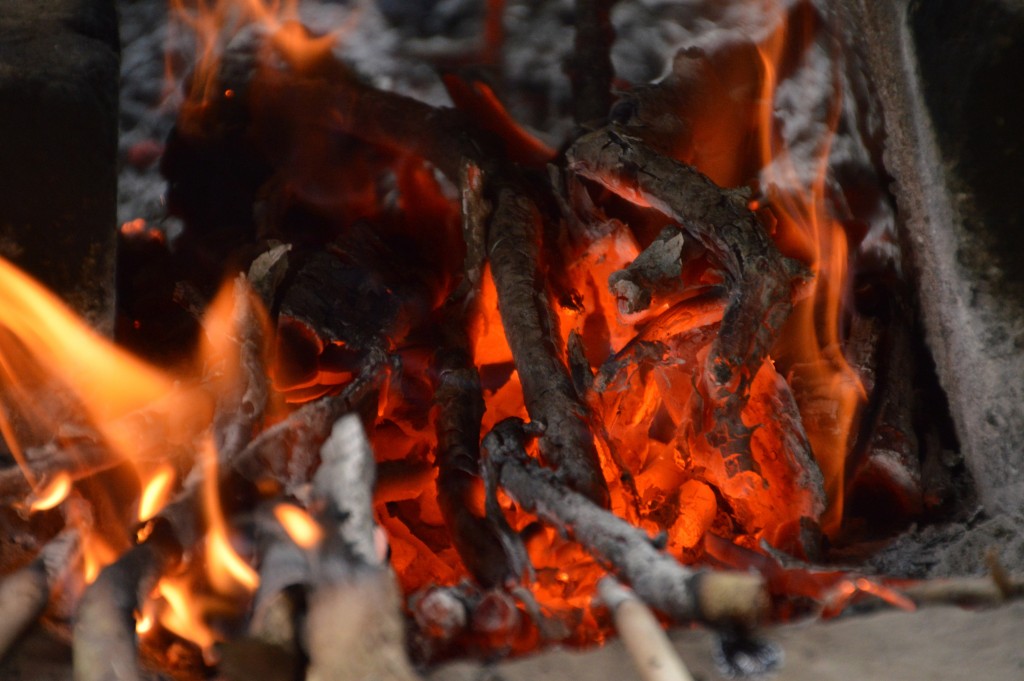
(354, 627)
(25, 593)
(637, 312)
(659, 579)
(763, 281)
(104, 643)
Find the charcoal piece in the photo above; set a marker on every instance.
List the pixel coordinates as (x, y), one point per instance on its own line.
(339, 302)
(59, 72)
(657, 268)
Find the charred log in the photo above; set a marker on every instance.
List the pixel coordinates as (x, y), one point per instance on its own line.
(568, 442)
(459, 486)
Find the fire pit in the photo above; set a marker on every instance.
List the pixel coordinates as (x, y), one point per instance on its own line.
(413, 368)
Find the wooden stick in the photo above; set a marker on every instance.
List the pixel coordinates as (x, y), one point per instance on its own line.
(993, 590)
(526, 314)
(23, 597)
(719, 598)
(304, 431)
(644, 637)
(355, 631)
(354, 627)
(460, 408)
(80, 458)
(104, 646)
(25, 593)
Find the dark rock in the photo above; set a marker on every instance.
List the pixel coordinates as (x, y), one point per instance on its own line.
(970, 54)
(59, 65)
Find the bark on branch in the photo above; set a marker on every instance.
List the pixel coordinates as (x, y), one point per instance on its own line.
(551, 398)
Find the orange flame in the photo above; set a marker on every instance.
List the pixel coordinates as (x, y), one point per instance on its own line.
(56, 377)
(302, 529)
(181, 616)
(640, 412)
(147, 418)
(144, 623)
(829, 390)
(52, 494)
(155, 493)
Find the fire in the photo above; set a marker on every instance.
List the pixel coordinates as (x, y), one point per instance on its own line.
(228, 571)
(51, 494)
(181, 615)
(642, 410)
(156, 492)
(828, 388)
(638, 373)
(146, 420)
(303, 530)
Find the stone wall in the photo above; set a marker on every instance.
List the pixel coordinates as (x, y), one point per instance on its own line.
(947, 73)
(59, 62)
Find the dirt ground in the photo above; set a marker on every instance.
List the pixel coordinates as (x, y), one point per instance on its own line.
(939, 643)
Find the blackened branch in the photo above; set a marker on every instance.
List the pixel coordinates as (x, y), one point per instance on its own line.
(477, 538)
(526, 313)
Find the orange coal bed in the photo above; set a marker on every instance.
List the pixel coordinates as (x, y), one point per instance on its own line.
(464, 330)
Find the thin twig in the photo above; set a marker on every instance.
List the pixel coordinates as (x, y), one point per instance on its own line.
(653, 655)
(656, 577)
